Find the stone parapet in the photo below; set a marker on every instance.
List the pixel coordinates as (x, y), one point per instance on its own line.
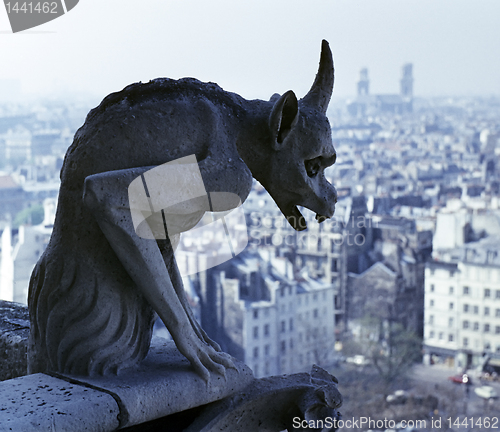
(14, 333)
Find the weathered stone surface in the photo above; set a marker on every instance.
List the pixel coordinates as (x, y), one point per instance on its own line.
(42, 403)
(165, 383)
(99, 286)
(14, 332)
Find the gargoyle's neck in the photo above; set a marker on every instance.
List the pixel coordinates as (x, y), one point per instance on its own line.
(254, 139)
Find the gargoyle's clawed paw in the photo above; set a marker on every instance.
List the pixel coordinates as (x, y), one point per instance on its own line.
(205, 338)
(205, 360)
(225, 360)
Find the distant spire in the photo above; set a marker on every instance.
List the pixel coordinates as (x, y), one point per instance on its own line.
(363, 83)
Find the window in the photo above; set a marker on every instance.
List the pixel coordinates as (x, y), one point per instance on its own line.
(497, 294)
(497, 313)
(497, 330)
(487, 293)
(452, 290)
(315, 296)
(431, 334)
(450, 322)
(256, 352)
(256, 313)
(450, 338)
(315, 313)
(441, 335)
(256, 332)
(486, 328)
(283, 346)
(290, 324)
(465, 324)
(476, 310)
(466, 308)
(283, 326)
(486, 311)
(466, 290)
(431, 303)
(266, 330)
(465, 342)
(476, 326)
(432, 287)
(451, 305)
(267, 349)
(431, 319)
(291, 343)
(487, 346)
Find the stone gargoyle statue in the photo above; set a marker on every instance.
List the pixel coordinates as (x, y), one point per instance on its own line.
(99, 286)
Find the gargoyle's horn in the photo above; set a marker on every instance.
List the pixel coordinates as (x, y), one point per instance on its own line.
(322, 88)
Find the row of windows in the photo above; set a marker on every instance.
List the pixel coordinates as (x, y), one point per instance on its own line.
(266, 331)
(487, 345)
(267, 348)
(468, 308)
(465, 341)
(475, 327)
(487, 292)
(267, 351)
(475, 310)
(440, 336)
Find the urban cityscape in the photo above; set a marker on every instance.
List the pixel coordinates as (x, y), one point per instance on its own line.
(398, 294)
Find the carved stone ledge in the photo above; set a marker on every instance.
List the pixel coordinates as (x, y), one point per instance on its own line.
(43, 403)
(164, 383)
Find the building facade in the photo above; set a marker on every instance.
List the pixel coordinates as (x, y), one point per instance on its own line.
(462, 307)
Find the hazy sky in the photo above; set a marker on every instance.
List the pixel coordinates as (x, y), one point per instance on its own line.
(259, 47)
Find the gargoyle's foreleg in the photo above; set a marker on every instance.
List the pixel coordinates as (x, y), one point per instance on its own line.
(175, 277)
(106, 196)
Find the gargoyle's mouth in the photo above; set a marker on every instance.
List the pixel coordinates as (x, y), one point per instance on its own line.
(298, 222)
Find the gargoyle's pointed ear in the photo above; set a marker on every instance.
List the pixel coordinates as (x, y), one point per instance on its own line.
(283, 118)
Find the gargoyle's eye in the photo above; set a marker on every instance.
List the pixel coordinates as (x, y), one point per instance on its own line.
(313, 166)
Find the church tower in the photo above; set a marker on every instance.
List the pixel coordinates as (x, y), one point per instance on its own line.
(363, 83)
(407, 81)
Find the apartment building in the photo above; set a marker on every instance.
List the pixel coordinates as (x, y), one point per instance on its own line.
(263, 314)
(462, 306)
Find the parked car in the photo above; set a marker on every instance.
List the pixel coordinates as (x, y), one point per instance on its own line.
(461, 379)
(399, 397)
(359, 360)
(486, 392)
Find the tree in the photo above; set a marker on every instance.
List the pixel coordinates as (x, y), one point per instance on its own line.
(31, 215)
(395, 352)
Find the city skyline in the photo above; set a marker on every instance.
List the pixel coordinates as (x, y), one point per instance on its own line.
(258, 49)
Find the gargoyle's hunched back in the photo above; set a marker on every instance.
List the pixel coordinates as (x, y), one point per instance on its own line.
(87, 316)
